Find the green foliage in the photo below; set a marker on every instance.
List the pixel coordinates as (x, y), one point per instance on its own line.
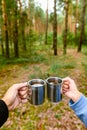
(85, 67)
(32, 59)
(61, 68)
(84, 50)
(37, 59)
(58, 107)
(58, 116)
(85, 38)
(39, 13)
(70, 66)
(59, 40)
(78, 36)
(70, 38)
(55, 67)
(50, 38)
(39, 38)
(32, 37)
(3, 60)
(84, 91)
(37, 73)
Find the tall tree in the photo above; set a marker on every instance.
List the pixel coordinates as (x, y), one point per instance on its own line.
(15, 32)
(23, 25)
(66, 27)
(5, 28)
(76, 21)
(1, 34)
(46, 27)
(82, 32)
(55, 29)
(31, 14)
(23, 19)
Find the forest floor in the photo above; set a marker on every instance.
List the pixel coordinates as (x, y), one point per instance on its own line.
(47, 116)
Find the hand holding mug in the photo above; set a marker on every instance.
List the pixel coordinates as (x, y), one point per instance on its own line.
(69, 88)
(16, 94)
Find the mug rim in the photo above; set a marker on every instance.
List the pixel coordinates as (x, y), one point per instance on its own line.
(56, 78)
(37, 80)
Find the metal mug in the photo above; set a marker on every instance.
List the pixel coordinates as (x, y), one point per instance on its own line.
(54, 89)
(38, 91)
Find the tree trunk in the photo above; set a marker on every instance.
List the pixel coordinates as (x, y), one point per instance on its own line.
(1, 41)
(46, 27)
(5, 28)
(76, 21)
(16, 49)
(22, 25)
(2, 47)
(23, 32)
(23, 39)
(66, 27)
(31, 18)
(82, 33)
(55, 30)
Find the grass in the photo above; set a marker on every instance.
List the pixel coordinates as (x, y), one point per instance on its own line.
(58, 116)
(84, 64)
(84, 91)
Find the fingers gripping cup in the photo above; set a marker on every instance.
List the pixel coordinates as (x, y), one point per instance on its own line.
(38, 91)
(54, 89)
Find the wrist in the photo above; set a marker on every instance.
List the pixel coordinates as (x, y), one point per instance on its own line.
(6, 102)
(76, 96)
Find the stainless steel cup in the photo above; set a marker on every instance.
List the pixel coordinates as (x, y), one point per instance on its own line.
(54, 89)
(38, 91)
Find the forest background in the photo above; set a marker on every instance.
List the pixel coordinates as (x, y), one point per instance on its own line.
(37, 43)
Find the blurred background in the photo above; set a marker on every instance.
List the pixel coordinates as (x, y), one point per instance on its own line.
(38, 39)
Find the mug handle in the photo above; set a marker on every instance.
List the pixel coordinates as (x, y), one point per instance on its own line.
(60, 80)
(28, 97)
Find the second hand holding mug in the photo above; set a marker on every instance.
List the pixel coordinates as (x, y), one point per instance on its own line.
(38, 91)
(54, 93)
